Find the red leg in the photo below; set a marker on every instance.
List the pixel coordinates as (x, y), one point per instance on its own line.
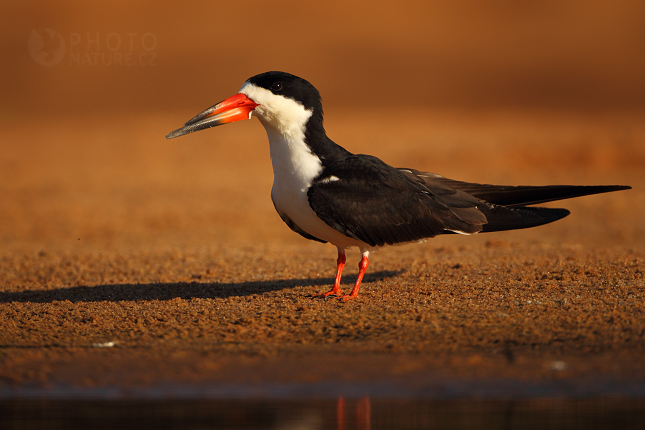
(362, 268)
(339, 271)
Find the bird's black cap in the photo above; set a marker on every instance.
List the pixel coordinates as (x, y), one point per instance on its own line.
(291, 86)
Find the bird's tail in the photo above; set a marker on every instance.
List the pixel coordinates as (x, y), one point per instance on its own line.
(507, 207)
(524, 195)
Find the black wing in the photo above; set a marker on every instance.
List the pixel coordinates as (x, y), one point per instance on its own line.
(368, 200)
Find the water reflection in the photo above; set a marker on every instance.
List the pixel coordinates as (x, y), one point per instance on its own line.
(362, 414)
(341, 413)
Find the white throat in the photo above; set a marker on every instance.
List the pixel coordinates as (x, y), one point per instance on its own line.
(294, 165)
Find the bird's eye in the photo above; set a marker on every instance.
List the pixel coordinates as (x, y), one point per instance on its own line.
(277, 86)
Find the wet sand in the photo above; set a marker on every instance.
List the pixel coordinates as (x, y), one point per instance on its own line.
(135, 264)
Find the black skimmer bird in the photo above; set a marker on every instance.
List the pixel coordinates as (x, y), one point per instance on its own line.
(325, 193)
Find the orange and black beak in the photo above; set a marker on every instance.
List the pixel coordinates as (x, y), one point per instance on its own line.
(235, 108)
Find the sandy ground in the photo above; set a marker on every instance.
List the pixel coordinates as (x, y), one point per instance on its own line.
(132, 262)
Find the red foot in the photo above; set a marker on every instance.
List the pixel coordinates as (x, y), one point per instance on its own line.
(335, 291)
(332, 292)
(362, 268)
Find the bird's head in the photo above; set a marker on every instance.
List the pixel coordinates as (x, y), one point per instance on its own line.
(281, 101)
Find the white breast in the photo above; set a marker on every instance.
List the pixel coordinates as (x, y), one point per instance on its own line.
(294, 168)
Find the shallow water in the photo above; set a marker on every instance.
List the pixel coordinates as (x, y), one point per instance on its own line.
(339, 413)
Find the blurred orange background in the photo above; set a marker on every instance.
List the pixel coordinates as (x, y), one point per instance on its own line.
(505, 91)
(577, 54)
